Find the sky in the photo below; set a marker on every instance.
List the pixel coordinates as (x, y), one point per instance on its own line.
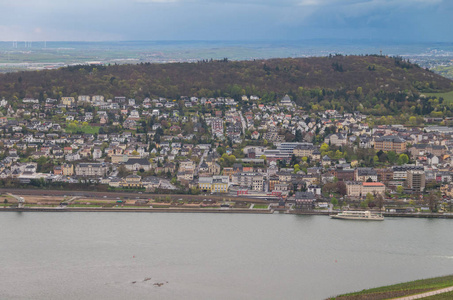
(118, 20)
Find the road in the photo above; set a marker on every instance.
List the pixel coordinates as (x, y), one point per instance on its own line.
(427, 294)
(205, 153)
(244, 124)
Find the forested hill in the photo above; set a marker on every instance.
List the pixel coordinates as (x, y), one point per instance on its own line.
(348, 81)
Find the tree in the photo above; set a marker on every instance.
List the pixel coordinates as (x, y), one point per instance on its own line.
(122, 171)
(341, 188)
(364, 204)
(334, 201)
(399, 190)
(330, 188)
(369, 197)
(392, 156)
(324, 147)
(380, 201)
(432, 201)
(403, 159)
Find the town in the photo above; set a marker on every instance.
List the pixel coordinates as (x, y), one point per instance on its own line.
(224, 146)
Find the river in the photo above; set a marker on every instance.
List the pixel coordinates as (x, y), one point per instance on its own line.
(100, 255)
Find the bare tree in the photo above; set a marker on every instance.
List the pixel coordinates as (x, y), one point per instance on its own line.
(380, 201)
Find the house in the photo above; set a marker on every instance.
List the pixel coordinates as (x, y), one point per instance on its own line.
(67, 169)
(286, 101)
(68, 101)
(57, 170)
(315, 189)
(337, 139)
(255, 135)
(151, 183)
(138, 164)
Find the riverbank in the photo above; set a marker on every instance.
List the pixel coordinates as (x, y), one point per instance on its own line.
(77, 201)
(140, 210)
(405, 289)
(204, 210)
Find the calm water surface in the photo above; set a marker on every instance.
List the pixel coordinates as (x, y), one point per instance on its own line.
(212, 256)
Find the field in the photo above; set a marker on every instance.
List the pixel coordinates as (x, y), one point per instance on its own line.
(448, 97)
(403, 289)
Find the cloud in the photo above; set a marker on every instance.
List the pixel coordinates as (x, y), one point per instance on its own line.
(223, 19)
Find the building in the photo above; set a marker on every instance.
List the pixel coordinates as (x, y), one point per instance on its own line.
(423, 149)
(416, 180)
(57, 170)
(304, 150)
(91, 169)
(390, 143)
(219, 186)
(67, 169)
(138, 164)
(361, 189)
(384, 174)
(400, 172)
(304, 201)
(286, 101)
(345, 175)
(68, 101)
(205, 184)
(315, 189)
(215, 184)
(132, 181)
(83, 98)
(217, 127)
(365, 174)
(337, 139)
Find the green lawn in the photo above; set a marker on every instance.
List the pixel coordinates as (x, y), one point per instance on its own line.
(448, 97)
(83, 129)
(401, 289)
(261, 206)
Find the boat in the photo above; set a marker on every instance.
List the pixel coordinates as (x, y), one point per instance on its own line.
(358, 215)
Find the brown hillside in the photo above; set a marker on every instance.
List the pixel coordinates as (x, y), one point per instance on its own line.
(266, 78)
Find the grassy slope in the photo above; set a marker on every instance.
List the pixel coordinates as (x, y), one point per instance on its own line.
(448, 97)
(401, 289)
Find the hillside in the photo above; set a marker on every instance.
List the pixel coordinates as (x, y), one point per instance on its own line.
(347, 81)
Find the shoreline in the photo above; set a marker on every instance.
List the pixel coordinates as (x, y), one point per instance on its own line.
(51, 201)
(212, 210)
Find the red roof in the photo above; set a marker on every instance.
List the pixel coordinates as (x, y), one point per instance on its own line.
(373, 184)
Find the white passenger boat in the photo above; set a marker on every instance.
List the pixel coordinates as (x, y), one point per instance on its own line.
(358, 215)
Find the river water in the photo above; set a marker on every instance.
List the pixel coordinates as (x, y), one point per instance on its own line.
(212, 256)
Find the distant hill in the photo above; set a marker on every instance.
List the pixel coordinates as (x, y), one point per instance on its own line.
(340, 81)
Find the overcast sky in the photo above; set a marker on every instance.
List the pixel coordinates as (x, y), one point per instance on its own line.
(100, 20)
